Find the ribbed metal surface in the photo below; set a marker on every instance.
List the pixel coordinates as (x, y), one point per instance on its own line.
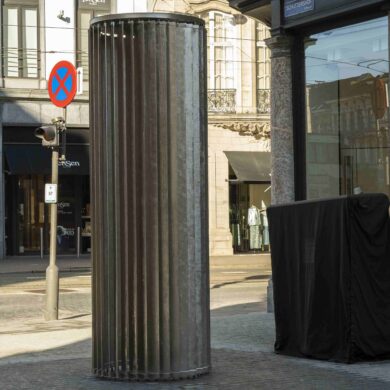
(149, 197)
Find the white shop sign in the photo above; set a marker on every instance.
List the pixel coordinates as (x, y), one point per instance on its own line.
(50, 193)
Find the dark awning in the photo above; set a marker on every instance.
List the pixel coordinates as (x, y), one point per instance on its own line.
(25, 159)
(251, 166)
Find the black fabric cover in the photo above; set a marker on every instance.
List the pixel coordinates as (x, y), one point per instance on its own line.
(331, 277)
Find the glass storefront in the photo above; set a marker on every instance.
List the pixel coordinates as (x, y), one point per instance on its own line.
(248, 218)
(31, 212)
(27, 167)
(347, 104)
(27, 222)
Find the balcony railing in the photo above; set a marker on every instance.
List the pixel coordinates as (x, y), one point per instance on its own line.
(222, 101)
(263, 101)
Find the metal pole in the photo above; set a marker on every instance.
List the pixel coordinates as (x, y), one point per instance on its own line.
(41, 237)
(78, 241)
(52, 282)
(63, 136)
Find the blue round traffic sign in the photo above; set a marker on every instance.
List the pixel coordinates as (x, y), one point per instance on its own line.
(62, 84)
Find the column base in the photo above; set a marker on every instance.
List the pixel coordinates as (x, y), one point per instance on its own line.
(221, 243)
(270, 297)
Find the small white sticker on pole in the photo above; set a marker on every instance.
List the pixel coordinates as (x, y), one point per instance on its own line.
(50, 193)
(80, 76)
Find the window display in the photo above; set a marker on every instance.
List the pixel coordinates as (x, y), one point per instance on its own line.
(248, 219)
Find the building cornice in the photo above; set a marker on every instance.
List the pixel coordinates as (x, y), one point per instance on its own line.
(199, 6)
(17, 94)
(258, 130)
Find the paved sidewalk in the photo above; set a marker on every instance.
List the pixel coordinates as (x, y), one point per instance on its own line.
(39, 355)
(16, 264)
(58, 356)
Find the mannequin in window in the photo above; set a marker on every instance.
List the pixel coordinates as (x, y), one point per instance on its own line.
(265, 229)
(254, 223)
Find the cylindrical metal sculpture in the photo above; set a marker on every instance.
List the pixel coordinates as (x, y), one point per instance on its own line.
(149, 197)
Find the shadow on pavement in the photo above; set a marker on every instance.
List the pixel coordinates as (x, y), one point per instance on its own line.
(32, 279)
(247, 279)
(242, 358)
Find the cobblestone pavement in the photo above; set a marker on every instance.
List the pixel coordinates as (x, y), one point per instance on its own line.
(242, 358)
(40, 355)
(231, 370)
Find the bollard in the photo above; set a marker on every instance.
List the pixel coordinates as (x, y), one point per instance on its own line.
(149, 197)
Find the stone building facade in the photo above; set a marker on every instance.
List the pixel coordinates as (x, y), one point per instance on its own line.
(37, 33)
(330, 102)
(238, 97)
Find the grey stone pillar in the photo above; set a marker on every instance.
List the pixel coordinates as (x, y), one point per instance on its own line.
(282, 147)
(2, 190)
(282, 151)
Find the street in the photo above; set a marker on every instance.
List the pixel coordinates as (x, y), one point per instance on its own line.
(35, 354)
(22, 293)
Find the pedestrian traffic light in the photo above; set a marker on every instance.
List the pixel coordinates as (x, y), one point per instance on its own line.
(48, 135)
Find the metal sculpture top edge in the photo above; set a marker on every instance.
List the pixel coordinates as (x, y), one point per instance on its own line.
(156, 16)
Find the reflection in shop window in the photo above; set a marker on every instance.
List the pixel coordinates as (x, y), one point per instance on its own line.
(347, 134)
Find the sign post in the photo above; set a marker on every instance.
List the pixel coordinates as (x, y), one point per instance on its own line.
(62, 88)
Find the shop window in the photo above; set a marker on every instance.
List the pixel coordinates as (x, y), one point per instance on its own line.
(347, 134)
(248, 219)
(20, 40)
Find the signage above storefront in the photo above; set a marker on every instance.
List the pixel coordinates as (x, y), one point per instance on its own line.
(68, 164)
(95, 4)
(296, 7)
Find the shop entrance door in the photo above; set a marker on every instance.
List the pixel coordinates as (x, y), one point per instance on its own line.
(28, 217)
(30, 222)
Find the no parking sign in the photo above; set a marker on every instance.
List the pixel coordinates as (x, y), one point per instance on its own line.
(62, 84)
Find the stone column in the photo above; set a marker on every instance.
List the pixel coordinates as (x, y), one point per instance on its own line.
(282, 151)
(282, 147)
(220, 236)
(2, 192)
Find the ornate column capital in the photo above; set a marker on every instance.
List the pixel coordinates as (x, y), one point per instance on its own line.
(280, 45)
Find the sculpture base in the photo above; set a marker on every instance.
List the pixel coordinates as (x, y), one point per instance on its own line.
(111, 373)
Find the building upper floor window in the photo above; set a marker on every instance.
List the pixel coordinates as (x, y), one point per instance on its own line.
(263, 60)
(87, 9)
(263, 70)
(221, 53)
(20, 39)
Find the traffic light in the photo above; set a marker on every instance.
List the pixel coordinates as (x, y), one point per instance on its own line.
(48, 135)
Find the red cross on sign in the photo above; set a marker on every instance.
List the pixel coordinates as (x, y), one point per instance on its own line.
(62, 84)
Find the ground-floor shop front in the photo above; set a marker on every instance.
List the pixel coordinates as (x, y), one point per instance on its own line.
(27, 167)
(248, 217)
(239, 188)
(249, 197)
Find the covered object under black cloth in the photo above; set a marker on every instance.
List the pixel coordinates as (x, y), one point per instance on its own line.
(331, 277)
